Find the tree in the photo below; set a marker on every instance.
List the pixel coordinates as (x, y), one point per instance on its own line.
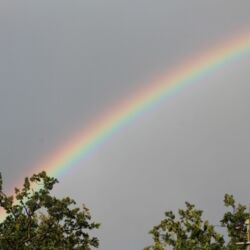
(37, 220)
(187, 230)
(234, 220)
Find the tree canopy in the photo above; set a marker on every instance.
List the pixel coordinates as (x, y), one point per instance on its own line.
(187, 229)
(37, 220)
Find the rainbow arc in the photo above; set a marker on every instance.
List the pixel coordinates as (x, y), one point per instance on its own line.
(90, 138)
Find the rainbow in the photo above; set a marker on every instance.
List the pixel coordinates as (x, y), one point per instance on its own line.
(148, 97)
(90, 138)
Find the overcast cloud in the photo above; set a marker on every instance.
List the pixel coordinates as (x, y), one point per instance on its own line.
(63, 63)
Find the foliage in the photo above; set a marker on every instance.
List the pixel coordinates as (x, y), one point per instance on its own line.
(187, 230)
(234, 220)
(37, 220)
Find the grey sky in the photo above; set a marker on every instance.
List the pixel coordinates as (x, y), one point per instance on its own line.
(65, 62)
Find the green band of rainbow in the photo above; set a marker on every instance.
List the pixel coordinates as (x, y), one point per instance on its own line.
(96, 134)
